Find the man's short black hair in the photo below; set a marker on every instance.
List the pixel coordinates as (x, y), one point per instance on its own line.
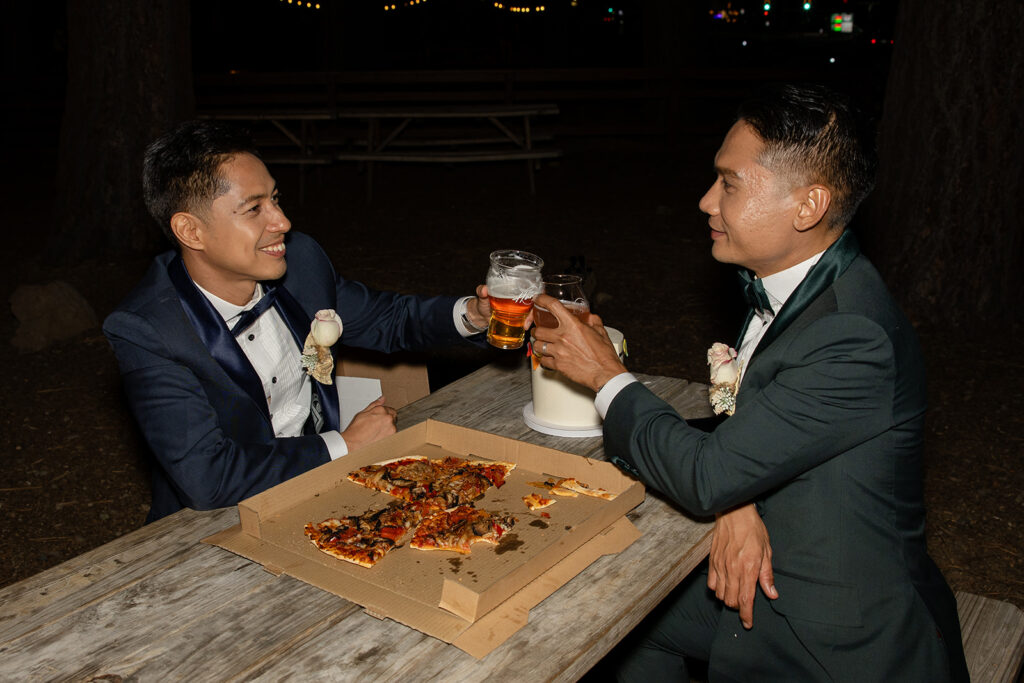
(817, 136)
(179, 172)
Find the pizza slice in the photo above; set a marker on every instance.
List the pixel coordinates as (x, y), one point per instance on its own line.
(408, 478)
(459, 528)
(365, 539)
(552, 486)
(579, 487)
(535, 501)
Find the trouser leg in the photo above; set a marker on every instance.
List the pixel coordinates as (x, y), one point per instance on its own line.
(681, 627)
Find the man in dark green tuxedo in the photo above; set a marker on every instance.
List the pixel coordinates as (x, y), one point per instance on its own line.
(822, 451)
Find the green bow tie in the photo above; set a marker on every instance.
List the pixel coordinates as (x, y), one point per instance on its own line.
(753, 292)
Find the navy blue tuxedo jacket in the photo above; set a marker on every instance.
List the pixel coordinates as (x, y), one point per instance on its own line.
(205, 419)
(826, 440)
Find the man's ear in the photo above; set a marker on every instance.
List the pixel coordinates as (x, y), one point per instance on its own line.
(813, 207)
(187, 227)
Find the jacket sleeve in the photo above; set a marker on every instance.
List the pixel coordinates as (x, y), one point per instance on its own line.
(833, 391)
(389, 322)
(212, 442)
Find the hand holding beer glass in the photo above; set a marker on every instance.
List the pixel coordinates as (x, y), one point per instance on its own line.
(513, 279)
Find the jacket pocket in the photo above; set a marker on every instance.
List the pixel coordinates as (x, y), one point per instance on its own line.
(820, 602)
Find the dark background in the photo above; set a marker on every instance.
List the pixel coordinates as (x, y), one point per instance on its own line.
(88, 84)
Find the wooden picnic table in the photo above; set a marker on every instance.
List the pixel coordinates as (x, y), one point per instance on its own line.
(158, 604)
(509, 134)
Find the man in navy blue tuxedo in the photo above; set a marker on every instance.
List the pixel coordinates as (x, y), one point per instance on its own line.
(822, 454)
(209, 343)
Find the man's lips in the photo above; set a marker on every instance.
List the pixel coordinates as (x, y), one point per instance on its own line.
(274, 249)
(717, 234)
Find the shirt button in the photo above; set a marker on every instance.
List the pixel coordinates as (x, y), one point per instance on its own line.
(273, 380)
(251, 337)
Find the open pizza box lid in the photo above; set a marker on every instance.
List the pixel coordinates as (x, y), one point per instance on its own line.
(473, 601)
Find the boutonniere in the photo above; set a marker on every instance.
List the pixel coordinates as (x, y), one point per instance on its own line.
(324, 332)
(725, 378)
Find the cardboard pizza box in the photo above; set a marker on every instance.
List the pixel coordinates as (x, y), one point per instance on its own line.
(457, 598)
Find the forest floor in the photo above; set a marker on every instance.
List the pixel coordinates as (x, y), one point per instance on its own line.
(73, 472)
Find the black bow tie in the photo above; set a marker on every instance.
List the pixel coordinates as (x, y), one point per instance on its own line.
(753, 292)
(247, 318)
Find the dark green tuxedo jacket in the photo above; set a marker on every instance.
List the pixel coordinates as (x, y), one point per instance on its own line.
(826, 440)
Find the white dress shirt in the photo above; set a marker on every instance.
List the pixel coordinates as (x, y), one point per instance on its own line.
(778, 286)
(276, 358)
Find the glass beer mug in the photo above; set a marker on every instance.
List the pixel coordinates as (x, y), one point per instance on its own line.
(568, 289)
(512, 281)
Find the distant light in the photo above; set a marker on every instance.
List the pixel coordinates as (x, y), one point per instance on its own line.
(767, 6)
(744, 43)
(831, 60)
(611, 10)
(807, 5)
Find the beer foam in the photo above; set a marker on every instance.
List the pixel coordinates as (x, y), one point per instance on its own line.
(517, 288)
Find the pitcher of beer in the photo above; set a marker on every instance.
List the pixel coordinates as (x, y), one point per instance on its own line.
(512, 281)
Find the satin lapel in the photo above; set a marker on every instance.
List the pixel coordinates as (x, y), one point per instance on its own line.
(833, 263)
(298, 321)
(214, 334)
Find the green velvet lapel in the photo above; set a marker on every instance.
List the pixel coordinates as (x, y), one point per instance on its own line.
(833, 263)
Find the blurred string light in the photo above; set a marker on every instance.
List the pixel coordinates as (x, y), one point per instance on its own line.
(728, 15)
(302, 4)
(519, 9)
(388, 7)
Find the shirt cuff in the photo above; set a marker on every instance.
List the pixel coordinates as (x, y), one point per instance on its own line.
(462, 323)
(336, 446)
(610, 390)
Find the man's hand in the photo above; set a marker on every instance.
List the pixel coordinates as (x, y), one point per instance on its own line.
(741, 558)
(372, 423)
(478, 310)
(580, 351)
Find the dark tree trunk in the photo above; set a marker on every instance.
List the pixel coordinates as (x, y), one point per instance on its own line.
(945, 220)
(129, 78)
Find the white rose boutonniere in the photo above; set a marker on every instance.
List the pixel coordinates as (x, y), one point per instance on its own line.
(725, 376)
(324, 332)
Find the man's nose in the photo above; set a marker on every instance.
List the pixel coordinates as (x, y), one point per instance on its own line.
(707, 203)
(279, 222)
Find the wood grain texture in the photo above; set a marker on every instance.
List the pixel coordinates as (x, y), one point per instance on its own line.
(157, 604)
(993, 633)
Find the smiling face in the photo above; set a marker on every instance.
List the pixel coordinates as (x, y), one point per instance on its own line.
(238, 240)
(757, 217)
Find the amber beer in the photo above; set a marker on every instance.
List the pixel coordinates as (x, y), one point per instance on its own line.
(512, 281)
(507, 328)
(542, 317)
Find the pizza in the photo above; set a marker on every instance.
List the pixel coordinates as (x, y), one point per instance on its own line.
(579, 487)
(459, 528)
(441, 491)
(405, 478)
(535, 501)
(365, 539)
(447, 482)
(552, 487)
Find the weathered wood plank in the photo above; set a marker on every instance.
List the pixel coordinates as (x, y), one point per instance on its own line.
(993, 633)
(213, 616)
(82, 580)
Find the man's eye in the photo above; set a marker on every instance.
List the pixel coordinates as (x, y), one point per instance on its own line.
(276, 199)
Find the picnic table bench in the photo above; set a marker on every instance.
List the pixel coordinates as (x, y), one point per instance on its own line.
(446, 133)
